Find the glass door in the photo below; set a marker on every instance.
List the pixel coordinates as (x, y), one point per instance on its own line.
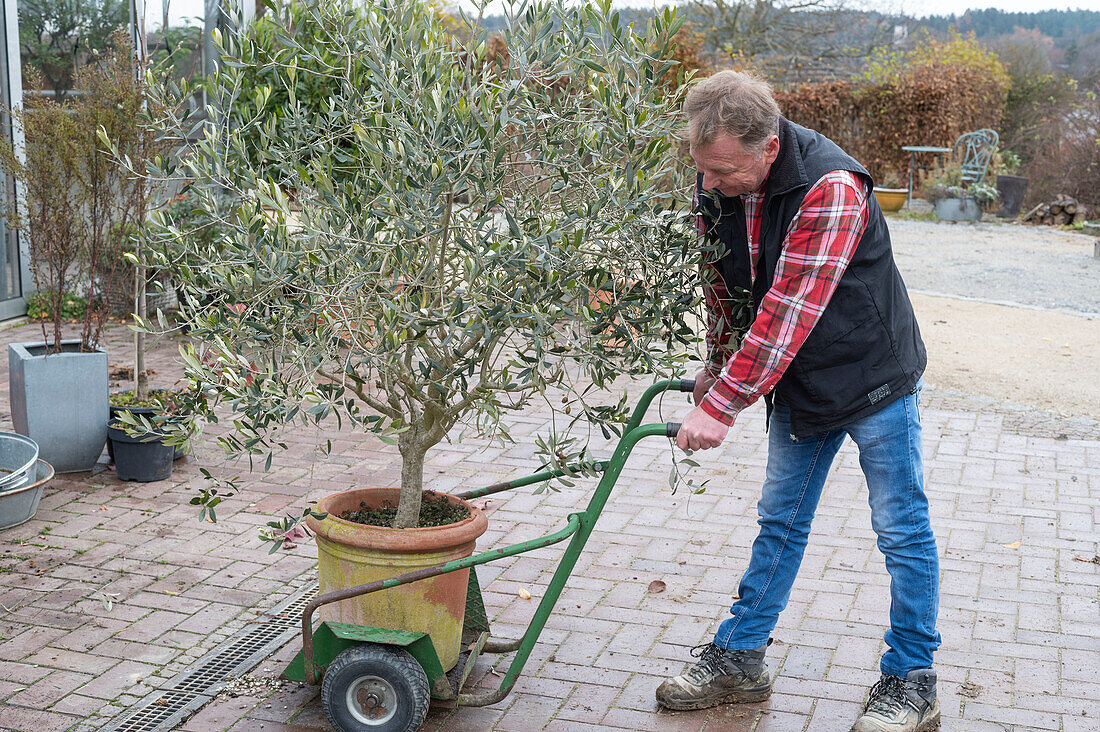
(14, 259)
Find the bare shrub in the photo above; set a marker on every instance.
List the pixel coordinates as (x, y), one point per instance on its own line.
(1067, 160)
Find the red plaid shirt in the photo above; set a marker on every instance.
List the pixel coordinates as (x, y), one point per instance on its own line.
(816, 250)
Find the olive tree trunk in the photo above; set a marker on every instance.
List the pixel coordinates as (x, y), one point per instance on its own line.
(412, 451)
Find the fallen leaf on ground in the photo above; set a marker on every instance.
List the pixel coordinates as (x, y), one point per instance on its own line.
(1013, 545)
(486, 505)
(524, 594)
(295, 532)
(656, 586)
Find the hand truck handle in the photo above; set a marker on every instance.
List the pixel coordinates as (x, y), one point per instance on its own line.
(687, 385)
(671, 429)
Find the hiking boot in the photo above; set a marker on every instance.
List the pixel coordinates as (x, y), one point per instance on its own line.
(897, 705)
(720, 677)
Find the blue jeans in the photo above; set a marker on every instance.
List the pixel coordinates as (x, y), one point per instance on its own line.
(890, 454)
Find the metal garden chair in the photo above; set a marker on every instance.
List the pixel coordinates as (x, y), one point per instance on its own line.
(973, 151)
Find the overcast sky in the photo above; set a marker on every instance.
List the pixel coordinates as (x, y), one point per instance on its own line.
(180, 9)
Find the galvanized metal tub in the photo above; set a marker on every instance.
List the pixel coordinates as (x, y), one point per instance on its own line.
(18, 455)
(20, 504)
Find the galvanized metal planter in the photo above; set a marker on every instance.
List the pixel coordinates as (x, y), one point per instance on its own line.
(59, 400)
(958, 209)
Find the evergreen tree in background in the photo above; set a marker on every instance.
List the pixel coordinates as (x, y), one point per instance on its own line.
(55, 36)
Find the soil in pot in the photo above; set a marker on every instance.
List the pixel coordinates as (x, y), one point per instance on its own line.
(434, 511)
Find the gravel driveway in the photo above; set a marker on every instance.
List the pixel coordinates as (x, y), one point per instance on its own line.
(1034, 266)
(1011, 318)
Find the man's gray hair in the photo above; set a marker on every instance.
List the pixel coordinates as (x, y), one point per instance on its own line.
(734, 103)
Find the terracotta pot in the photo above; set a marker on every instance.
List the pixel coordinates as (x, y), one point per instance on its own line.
(350, 554)
(890, 200)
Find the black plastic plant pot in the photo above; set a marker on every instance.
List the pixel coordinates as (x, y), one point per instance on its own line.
(148, 412)
(142, 459)
(1012, 188)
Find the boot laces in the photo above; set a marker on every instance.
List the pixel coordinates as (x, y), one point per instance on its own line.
(888, 697)
(708, 665)
(704, 651)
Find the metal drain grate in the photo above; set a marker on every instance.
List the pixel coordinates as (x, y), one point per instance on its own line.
(289, 612)
(241, 653)
(193, 687)
(164, 711)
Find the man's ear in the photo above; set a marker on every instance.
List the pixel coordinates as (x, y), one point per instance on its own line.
(771, 149)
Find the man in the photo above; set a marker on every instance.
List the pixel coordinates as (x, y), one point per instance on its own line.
(835, 348)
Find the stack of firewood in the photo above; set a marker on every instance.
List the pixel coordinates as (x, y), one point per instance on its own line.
(1060, 211)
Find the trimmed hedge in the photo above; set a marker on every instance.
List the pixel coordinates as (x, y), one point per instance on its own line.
(927, 97)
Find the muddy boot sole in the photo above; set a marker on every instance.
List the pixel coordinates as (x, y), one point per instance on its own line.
(930, 724)
(733, 697)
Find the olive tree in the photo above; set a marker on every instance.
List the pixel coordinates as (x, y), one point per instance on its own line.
(443, 236)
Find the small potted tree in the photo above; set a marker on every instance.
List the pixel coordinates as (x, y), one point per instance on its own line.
(70, 214)
(138, 448)
(470, 231)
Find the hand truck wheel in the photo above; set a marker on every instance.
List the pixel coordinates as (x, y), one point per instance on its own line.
(375, 688)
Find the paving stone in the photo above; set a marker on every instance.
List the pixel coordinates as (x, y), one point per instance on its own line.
(20, 718)
(78, 705)
(1019, 623)
(220, 714)
(588, 703)
(152, 625)
(123, 677)
(28, 642)
(43, 693)
(143, 652)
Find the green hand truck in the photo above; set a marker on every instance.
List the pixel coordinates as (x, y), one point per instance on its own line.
(383, 679)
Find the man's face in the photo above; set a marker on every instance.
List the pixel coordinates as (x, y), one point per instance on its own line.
(730, 169)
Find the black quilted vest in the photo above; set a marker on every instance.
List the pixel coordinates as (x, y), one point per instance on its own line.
(866, 350)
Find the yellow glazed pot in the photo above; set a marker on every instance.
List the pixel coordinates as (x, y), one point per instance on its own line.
(350, 554)
(890, 200)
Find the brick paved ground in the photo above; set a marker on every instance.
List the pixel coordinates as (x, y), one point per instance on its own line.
(1016, 506)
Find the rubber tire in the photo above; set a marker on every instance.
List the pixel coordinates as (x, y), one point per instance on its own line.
(394, 665)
